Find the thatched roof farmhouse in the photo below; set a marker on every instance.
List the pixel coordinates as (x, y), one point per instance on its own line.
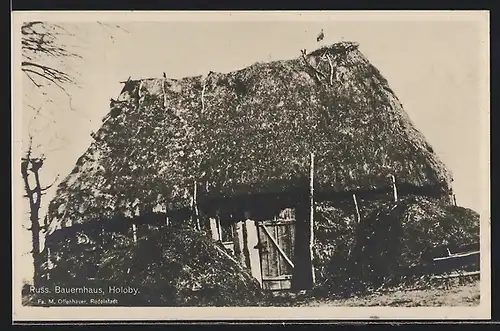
(238, 146)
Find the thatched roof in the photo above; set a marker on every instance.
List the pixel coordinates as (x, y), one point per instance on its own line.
(247, 132)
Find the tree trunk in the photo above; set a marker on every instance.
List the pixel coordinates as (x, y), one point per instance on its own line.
(37, 258)
(34, 195)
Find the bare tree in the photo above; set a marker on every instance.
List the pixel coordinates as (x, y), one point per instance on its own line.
(30, 166)
(46, 48)
(39, 41)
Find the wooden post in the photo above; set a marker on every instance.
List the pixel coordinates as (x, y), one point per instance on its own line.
(454, 199)
(128, 80)
(238, 242)
(259, 243)
(358, 216)
(101, 236)
(214, 229)
(245, 248)
(124, 82)
(134, 232)
(219, 228)
(164, 92)
(394, 188)
(49, 263)
(311, 220)
(195, 206)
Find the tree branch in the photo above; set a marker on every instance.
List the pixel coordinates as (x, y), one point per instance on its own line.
(51, 72)
(49, 186)
(43, 40)
(316, 70)
(29, 25)
(106, 25)
(40, 40)
(330, 62)
(32, 80)
(24, 172)
(55, 82)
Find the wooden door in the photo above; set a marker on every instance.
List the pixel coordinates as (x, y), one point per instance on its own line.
(276, 248)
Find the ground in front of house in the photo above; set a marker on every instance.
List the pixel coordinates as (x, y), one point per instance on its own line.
(449, 294)
(463, 295)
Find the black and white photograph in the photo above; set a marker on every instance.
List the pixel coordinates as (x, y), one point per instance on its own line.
(250, 165)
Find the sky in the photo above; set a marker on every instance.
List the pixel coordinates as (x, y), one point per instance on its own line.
(434, 67)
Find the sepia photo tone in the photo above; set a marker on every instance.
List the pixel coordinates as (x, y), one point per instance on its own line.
(328, 165)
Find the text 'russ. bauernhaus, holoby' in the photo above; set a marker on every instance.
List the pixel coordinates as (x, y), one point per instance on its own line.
(93, 290)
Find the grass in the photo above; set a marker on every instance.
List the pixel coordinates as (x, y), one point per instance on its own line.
(462, 295)
(455, 293)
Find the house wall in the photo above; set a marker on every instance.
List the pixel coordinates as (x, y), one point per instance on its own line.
(245, 238)
(213, 229)
(252, 240)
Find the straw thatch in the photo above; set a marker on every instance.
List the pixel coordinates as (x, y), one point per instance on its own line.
(248, 132)
(415, 229)
(171, 266)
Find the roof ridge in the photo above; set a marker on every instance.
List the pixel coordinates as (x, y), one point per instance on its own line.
(335, 47)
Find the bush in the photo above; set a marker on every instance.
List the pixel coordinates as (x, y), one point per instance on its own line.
(172, 266)
(400, 239)
(392, 243)
(334, 239)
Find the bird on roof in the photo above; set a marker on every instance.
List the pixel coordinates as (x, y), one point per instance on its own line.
(164, 75)
(320, 36)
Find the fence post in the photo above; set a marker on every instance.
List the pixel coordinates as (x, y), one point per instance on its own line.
(195, 206)
(134, 231)
(311, 222)
(394, 188)
(358, 216)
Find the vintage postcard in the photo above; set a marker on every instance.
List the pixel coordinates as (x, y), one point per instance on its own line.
(250, 165)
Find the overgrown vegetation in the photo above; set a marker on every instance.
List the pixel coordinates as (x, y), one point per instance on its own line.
(173, 266)
(391, 248)
(394, 244)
